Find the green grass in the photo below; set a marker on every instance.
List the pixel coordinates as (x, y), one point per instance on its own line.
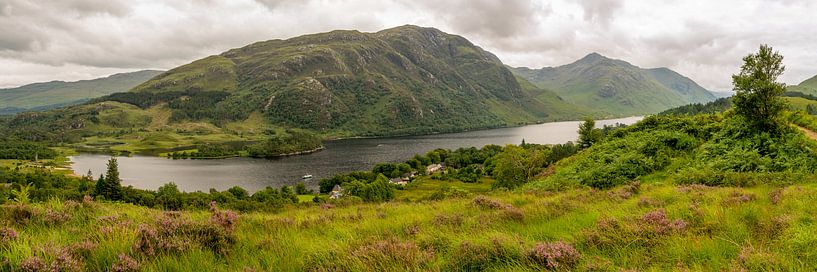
(725, 228)
(424, 186)
(799, 103)
(305, 198)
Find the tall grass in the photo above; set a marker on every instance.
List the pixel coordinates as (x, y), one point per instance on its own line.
(656, 226)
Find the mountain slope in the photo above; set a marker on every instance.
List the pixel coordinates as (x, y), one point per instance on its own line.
(401, 80)
(39, 96)
(808, 86)
(404, 80)
(617, 86)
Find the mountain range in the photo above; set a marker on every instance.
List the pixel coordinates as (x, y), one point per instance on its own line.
(404, 80)
(617, 86)
(54, 94)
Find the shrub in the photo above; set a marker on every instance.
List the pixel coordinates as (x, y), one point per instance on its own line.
(470, 256)
(382, 255)
(33, 264)
(125, 263)
(646, 230)
(174, 234)
(52, 217)
(7, 235)
(558, 255)
(486, 203)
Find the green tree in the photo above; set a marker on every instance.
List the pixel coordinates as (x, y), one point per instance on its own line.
(239, 192)
(757, 98)
(169, 196)
(588, 134)
(516, 165)
(109, 185)
(300, 189)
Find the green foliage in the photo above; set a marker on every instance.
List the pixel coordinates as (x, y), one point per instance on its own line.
(23, 150)
(627, 154)
(378, 190)
(588, 134)
(300, 189)
(168, 197)
(757, 97)
(717, 106)
(739, 148)
(22, 194)
(283, 143)
(109, 186)
(516, 165)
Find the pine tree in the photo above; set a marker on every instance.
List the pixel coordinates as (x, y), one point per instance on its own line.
(89, 176)
(99, 187)
(109, 185)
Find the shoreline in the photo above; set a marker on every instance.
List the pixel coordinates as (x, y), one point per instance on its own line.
(476, 129)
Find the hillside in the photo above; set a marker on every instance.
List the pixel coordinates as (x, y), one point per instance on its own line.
(399, 81)
(616, 86)
(668, 193)
(49, 95)
(808, 86)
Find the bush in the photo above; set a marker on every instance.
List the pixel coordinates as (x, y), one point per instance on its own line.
(558, 255)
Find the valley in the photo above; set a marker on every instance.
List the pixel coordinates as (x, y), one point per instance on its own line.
(405, 148)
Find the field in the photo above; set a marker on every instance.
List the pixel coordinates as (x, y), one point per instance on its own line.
(654, 226)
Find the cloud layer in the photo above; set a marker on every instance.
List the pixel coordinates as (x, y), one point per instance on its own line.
(705, 40)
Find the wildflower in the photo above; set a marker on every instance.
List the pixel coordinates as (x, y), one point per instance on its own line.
(486, 203)
(54, 217)
(7, 235)
(33, 264)
(87, 200)
(125, 264)
(554, 255)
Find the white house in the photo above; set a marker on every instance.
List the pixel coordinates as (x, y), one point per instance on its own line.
(336, 193)
(434, 168)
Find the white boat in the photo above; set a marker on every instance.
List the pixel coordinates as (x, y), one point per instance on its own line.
(307, 176)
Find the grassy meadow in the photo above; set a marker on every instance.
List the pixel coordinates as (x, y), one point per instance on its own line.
(651, 226)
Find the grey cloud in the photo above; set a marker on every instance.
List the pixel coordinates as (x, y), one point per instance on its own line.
(498, 19)
(600, 11)
(698, 38)
(93, 7)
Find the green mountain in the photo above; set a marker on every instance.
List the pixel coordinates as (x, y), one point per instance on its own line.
(404, 80)
(401, 80)
(616, 86)
(54, 94)
(809, 86)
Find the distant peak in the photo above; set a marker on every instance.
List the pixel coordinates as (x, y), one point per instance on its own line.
(411, 28)
(593, 57)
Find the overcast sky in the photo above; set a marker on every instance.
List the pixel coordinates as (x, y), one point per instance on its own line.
(704, 40)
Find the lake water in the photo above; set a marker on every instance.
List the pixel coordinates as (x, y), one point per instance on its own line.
(340, 156)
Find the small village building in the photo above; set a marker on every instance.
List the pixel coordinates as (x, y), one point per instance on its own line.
(398, 181)
(434, 168)
(336, 193)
